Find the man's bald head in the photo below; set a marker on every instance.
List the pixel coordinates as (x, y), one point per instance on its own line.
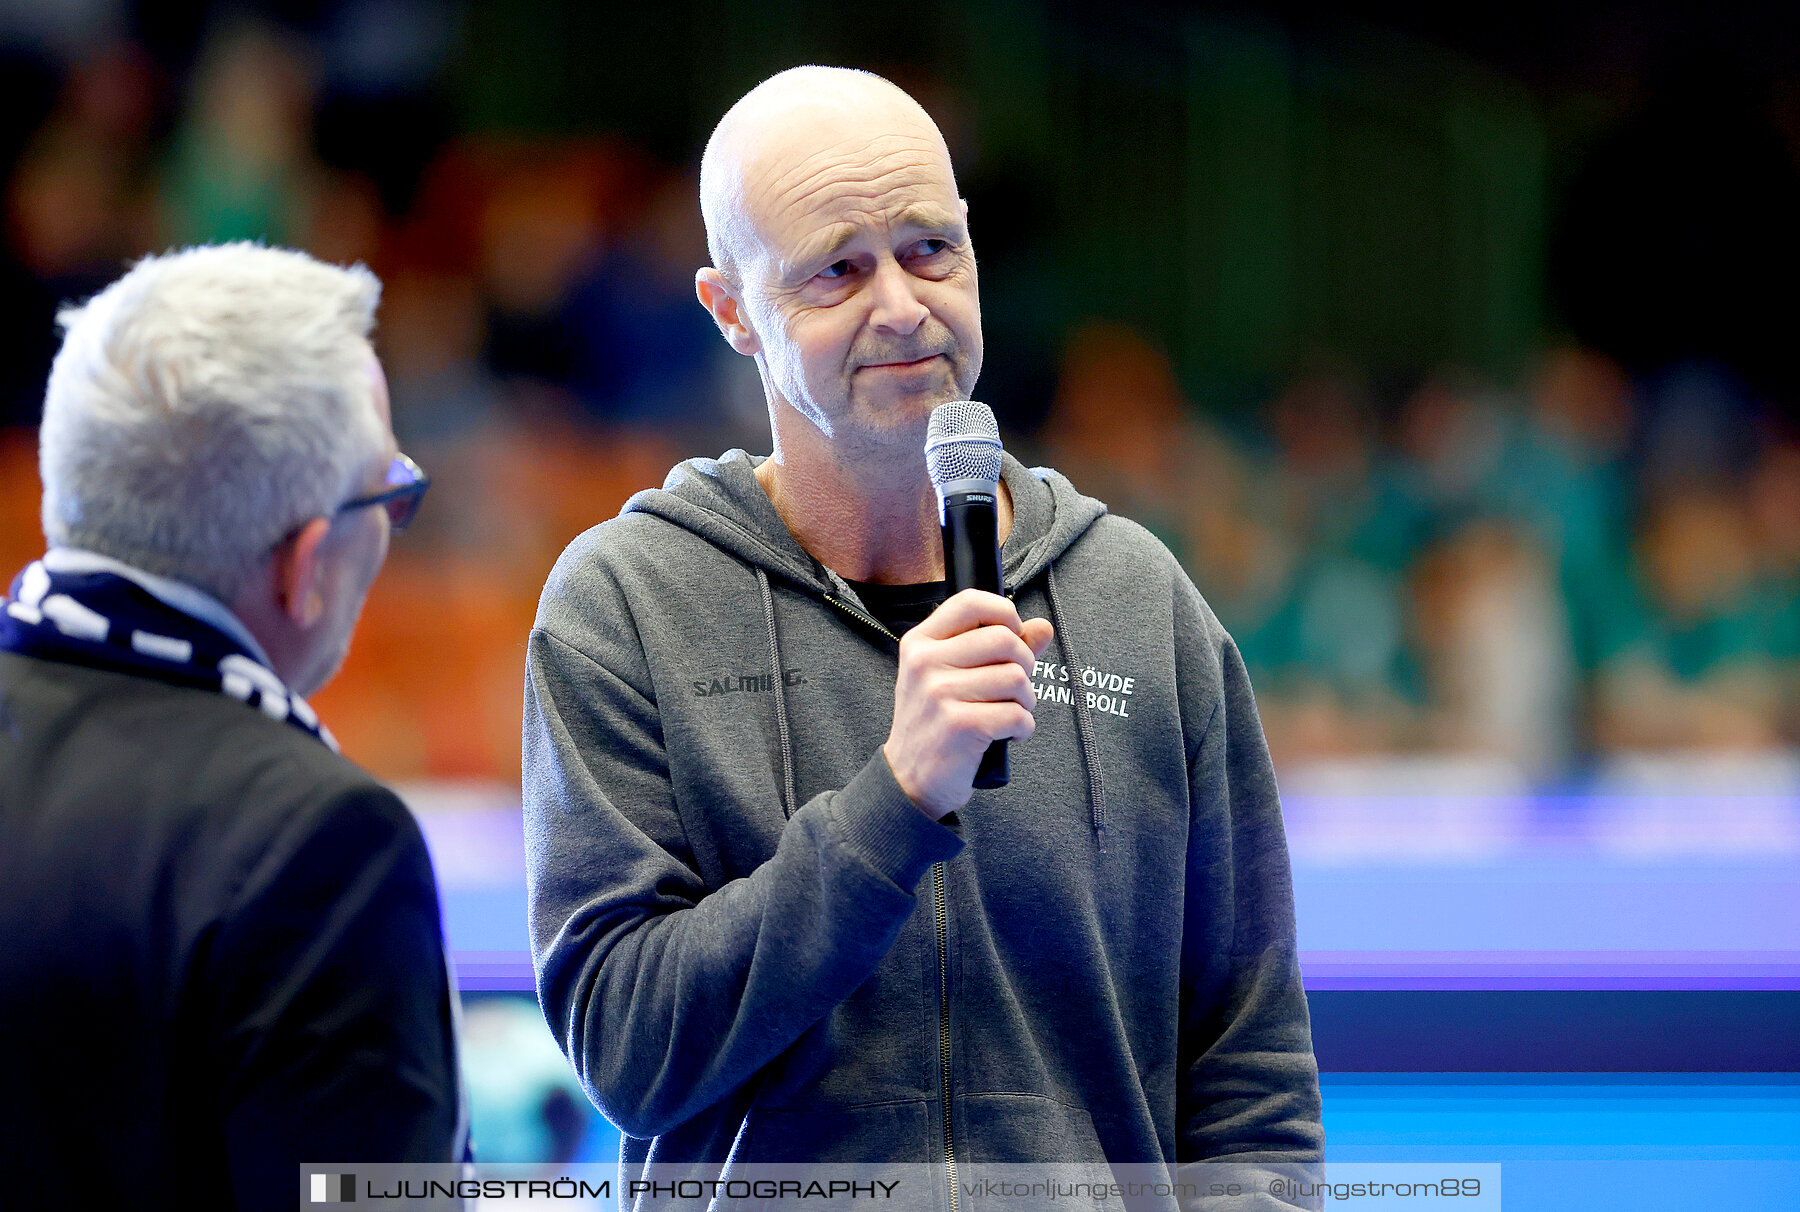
(841, 261)
(777, 126)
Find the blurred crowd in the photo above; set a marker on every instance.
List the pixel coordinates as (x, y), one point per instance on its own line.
(1536, 574)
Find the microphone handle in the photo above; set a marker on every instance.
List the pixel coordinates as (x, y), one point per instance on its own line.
(972, 561)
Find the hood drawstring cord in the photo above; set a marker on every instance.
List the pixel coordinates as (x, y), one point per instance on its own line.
(1084, 722)
(788, 804)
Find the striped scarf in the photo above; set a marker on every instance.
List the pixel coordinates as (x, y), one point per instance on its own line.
(102, 620)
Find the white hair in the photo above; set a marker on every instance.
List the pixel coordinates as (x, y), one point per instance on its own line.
(205, 405)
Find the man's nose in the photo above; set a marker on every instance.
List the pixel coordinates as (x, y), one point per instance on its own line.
(896, 304)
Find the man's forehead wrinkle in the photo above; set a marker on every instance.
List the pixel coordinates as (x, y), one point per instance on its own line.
(833, 238)
(818, 246)
(850, 157)
(865, 212)
(827, 178)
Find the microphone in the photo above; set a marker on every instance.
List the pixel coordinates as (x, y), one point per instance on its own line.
(962, 455)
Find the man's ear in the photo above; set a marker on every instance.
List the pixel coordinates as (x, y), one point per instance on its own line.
(726, 309)
(297, 569)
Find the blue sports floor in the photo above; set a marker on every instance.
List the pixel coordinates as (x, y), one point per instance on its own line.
(1643, 1142)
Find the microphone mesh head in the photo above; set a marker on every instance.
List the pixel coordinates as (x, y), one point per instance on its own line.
(962, 442)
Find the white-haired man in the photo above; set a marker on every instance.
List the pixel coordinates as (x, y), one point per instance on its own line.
(773, 921)
(222, 947)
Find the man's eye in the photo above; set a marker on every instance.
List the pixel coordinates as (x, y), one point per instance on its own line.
(931, 247)
(836, 269)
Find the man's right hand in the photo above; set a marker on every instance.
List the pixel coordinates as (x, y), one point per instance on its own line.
(965, 682)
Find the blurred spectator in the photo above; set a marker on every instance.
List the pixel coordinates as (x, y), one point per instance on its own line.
(1493, 641)
(1336, 676)
(1699, 425)
(1119, 429)
(449, 408)
(1687, 665)
(344, 221)
(75, 202)
(242, 165)
(432, 332)
(1348, 666)
(645, 352)
(1567, 480)
(1324, 478)
(75, 208)
(1448, 465)
(1774, 504)
(382, 113)
(543, 229)
(1245, 565)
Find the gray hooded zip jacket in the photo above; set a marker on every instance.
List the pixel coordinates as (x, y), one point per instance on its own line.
(754, 948)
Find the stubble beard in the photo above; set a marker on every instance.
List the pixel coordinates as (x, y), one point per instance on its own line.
(853, 423)
(893, 424)
(903, 416)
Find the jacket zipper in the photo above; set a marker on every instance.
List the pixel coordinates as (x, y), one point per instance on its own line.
(942, 913)
(943, 948)
(866, 621)
(860, 617)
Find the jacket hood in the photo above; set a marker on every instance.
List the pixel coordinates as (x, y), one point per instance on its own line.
(722, 501)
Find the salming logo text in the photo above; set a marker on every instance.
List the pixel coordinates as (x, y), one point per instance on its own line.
(753, 683)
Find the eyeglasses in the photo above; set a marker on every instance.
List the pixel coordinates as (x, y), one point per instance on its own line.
(408, 483)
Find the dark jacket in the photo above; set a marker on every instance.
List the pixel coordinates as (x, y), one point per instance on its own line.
(752, 945)
(220, 952)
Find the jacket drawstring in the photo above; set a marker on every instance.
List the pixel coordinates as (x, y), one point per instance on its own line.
(1084, 722)
(781, 715)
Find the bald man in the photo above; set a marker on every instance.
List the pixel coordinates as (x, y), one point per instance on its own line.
(771, 919)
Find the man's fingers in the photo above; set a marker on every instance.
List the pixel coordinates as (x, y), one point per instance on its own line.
(988, 645)
(973, 610)
(1000, 683)
(967, 610)
(1004, 721)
